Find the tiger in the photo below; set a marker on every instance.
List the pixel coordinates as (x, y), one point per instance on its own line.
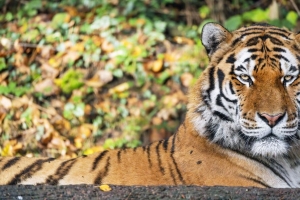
(241, 127)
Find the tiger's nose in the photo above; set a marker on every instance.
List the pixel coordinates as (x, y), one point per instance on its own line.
(272, 120)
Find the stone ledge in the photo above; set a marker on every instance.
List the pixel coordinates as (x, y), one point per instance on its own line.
(21, 192)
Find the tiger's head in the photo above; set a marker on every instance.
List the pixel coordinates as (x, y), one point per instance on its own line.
(248, 97)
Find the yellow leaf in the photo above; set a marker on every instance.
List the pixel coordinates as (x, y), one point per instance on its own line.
(78, 47)
(157, 66)
(120, 88)
(105, 188)
(78, 142)
(72, 11)
(137, 51)
(183, 40)
(54, 62)
(92, 150)
(7, 150)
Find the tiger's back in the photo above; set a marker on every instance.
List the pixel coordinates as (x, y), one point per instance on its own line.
(241, 128)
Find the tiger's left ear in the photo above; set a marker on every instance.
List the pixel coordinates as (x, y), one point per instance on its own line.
(213, 35)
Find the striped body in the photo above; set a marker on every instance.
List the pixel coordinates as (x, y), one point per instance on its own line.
(241, 128)
(188, 160)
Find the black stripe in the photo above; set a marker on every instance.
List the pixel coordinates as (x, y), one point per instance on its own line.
(249, 33)
(281, 56)
(148, 155)
(231, 59)
(102, 174)
(173, 159)
(98, 159)
(281, 34)
(240, 68)
(211, 129)
(231, 88)
(211, 81)
(295, 47)
(293, 68)
(10, 163)
(162, 170)
(251, 50)
(253, 57)
(259, 61)
(119, 155)
(281, 170)
(222, 116)
(221, 77)
(279, 29)
(256, 181)
(219, 102)
(255, 28)
(235, 41)
(165, 144)
(278, 49)
(253, 41)
(29, 171)
(61, 172)
(246, 60)
(264, 163)
(275, 41)
(172, 175)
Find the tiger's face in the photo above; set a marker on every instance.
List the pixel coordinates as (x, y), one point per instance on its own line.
(249, 95)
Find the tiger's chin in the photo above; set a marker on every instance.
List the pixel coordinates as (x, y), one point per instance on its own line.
(270, 147)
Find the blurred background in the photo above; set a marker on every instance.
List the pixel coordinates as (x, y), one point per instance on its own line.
(81, 76)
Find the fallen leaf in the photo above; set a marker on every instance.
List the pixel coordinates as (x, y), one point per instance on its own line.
(5, 102)
(157, 66)
(6, 43)
(105, 188)
(183, 40)
(120, 88)
(100, 78)
(46, 87)
(186, 79)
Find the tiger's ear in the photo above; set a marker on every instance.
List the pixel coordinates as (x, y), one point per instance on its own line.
(212, 36)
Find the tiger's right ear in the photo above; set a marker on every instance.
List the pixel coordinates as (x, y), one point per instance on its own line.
(212, 36)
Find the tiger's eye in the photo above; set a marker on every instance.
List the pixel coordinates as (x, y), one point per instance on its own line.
(287, 77)
(245, 77)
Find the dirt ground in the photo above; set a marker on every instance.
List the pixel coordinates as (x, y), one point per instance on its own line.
(139, 192)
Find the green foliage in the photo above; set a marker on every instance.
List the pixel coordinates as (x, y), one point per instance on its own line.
(2, 64)
(73, 110)
(26, 117)
(58, 20)
(13, 89)
(256, 15)
(259, 15)
(204, 11)
(120, 143)
(233, 22)
(70, 81)
(292, 17)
